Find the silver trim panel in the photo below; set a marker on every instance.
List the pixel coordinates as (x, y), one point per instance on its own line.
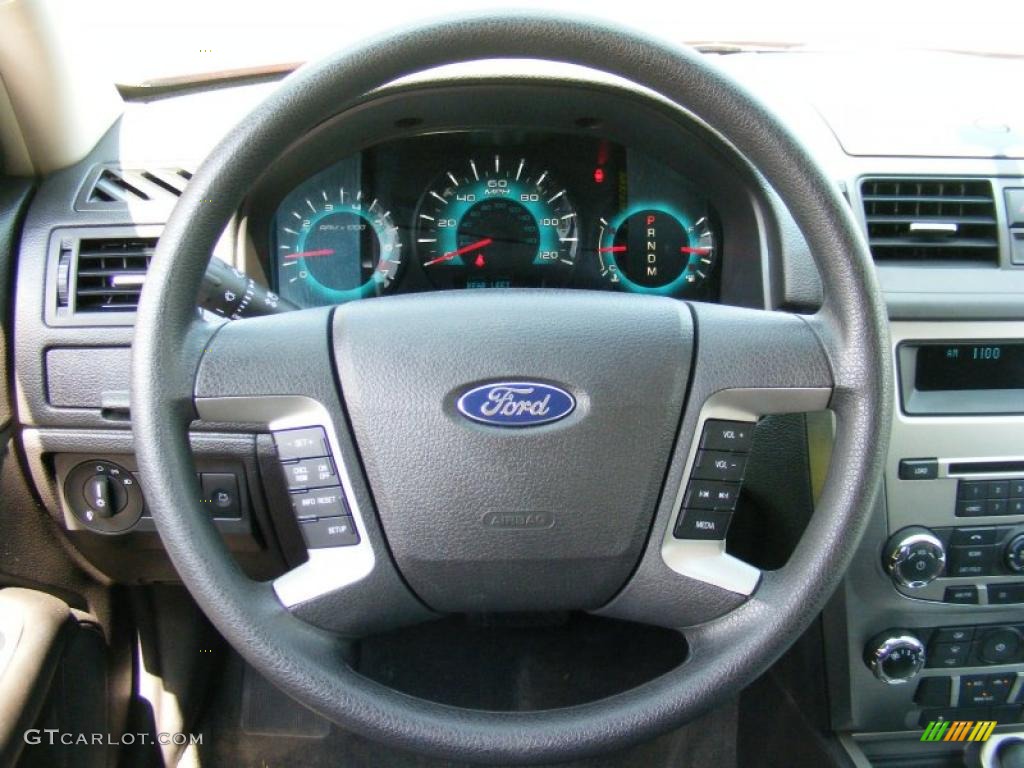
(327, 569)
(952, 440)
(708, 561)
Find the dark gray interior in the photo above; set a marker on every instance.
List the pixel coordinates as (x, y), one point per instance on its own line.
(553, 594)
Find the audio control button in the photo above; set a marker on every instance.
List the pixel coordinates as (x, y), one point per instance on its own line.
(971, 490)
(727, 436)
(971, 561)
(965, 595)
(914, 557)
(919, 469)
(1005, 594)
(1013, 556)
(996, 507)
(972, 537)
(998, 489)
(972, 508)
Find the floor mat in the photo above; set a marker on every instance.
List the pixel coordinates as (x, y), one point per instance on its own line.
(250, 724)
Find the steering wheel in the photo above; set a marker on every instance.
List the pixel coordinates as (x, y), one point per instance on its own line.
(436, 498)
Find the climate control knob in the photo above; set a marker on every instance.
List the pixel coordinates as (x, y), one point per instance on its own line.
(914, 557)
(895, 656)
(1014, 554)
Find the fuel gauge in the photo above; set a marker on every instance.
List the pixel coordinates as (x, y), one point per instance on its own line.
(655, 249)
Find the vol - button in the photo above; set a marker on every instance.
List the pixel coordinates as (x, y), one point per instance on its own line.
(718, 465)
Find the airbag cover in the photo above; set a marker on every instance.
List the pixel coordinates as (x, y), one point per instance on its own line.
(483, 517)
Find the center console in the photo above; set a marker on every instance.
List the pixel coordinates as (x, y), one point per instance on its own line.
(929, 624)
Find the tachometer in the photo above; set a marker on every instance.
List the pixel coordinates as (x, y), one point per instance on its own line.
(497, 226)
(652, 248)
(334, 246)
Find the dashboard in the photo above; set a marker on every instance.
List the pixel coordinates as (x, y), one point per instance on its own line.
(575, 183)
(468, 210)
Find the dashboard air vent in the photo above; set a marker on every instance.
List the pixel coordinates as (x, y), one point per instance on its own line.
(110, 272)
(112, 187)
(929, 220)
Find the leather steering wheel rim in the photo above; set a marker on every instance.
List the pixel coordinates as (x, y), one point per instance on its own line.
(307, 662)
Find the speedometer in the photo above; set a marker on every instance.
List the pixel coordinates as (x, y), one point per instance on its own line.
(496, 225)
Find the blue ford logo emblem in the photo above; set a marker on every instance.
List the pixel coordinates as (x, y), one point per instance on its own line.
(516, 404)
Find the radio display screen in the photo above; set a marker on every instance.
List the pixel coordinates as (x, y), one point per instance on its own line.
(979, 365)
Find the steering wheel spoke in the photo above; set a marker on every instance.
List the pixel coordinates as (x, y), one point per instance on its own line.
(275, 375)
(748, 364)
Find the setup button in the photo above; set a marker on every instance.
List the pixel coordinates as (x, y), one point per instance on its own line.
(329, 532)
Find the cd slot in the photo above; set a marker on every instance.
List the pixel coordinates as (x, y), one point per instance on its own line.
(985, 467)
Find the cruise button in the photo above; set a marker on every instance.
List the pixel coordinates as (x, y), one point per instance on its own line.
(310, 473)
(305, 443)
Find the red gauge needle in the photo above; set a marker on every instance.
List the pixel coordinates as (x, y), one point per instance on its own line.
(310, 254)
(613, 249)
(685, 249)
(464, 249)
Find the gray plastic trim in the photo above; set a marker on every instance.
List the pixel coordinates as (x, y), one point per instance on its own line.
(708, 561)
(326, 569)
(950, 439)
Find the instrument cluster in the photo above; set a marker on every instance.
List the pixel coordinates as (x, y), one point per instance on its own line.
(482, 210)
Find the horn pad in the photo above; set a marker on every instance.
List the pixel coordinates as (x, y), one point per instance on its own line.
(517, 511)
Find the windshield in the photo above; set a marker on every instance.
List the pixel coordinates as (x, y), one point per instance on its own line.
(151, 41)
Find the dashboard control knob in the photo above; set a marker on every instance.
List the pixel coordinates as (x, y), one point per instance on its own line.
(1014, 554)
(101, 496)
(895, 656)
(914, 557)
(1001, 645)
